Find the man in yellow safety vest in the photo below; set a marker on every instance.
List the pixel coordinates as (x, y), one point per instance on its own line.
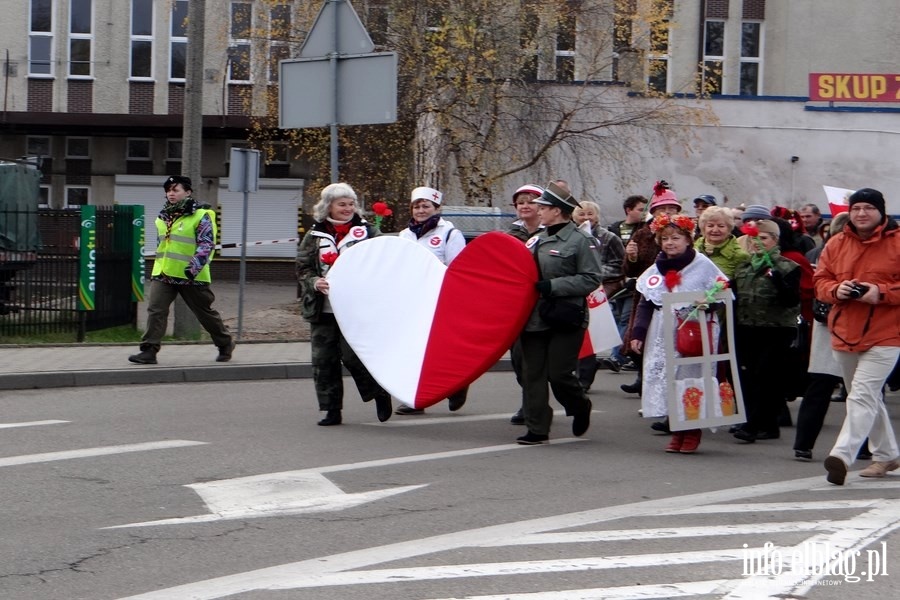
(186, 234)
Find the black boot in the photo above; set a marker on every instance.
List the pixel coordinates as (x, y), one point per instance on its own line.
(383, 408)
(633, 388)
(332, 417)
(144, 357)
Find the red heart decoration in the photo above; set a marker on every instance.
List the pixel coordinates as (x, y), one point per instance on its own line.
(425, 330)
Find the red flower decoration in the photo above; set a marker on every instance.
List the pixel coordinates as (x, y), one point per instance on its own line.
(751, 230)
(682, 222)
(673, 278)
(659, 187)
(382, 209)
(329, 258)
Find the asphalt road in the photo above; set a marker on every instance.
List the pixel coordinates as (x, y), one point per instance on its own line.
(230, 490)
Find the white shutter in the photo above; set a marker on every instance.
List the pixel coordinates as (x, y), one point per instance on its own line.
(272, 215)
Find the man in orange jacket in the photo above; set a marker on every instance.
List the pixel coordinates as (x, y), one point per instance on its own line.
(858, 274)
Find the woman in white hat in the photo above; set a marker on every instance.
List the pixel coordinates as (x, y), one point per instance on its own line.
(427, 228)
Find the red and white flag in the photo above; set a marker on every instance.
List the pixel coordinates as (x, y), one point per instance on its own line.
(837, 199)
(602, 333)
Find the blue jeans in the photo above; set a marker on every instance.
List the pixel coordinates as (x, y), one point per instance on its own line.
(621, 309)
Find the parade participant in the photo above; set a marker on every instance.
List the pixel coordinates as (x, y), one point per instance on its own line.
(812, 222)
(527, 223)
(612, 253)
(768, 304)
(428, 229)
(623, 302)
(339, 225)
(857, 273)
(824, 373)
(640, 253)
(568, 270)
(717, 242)
(678, 268)
(186, 234)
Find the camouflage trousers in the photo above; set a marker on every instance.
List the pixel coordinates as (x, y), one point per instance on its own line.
(329, 351)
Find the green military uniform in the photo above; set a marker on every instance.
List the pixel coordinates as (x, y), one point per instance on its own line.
(329, 348)
(570, 261)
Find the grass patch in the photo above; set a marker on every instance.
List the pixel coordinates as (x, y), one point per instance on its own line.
(123, 334)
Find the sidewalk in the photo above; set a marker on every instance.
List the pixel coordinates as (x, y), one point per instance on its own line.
(29, 367)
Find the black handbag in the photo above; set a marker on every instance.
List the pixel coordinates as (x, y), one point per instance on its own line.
(820, 311)
(557, 312)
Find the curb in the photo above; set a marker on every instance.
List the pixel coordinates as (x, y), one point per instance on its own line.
(147, 376)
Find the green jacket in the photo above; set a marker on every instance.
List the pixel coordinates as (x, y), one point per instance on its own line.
(728, 257)
(570, 260)
(768, 297)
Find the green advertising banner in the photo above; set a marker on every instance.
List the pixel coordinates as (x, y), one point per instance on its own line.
(87, 259)
(137, 253)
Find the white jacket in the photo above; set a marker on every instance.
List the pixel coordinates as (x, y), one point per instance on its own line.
(444, 241)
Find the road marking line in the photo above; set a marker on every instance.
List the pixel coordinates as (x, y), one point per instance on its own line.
(632, 592)
(613, 535)
(411, 420)
(776, 507)
(307, 573)
(28, 459)
(31, 424)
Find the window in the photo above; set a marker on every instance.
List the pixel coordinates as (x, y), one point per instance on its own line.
(44, 196)
(239, 54)
(751, 58)
(37, 146)
(276, 153)
(280, 32)
(80, 38)
(78, 147)
(178, 41)
(713, 57)
(138, 149)
(658, 59)
(40, 38)
(565, 47)
(173, 149)
(77, 195)
(142, 39)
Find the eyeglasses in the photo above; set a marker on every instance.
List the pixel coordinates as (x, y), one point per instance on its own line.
(857, 208)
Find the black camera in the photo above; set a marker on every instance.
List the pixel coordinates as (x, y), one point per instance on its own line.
(858, 291)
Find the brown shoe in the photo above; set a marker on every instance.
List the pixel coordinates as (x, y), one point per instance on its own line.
(880, 469)
(837, 470)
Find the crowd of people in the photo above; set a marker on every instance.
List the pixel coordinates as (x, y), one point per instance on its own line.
(816, 305)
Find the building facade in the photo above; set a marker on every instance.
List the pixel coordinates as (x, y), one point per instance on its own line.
(96, 88)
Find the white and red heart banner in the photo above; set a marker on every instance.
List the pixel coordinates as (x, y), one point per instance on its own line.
(425, 330)
(602, 333)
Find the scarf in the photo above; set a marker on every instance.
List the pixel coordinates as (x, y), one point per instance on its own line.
(763, 258)
(338, 229)
(174, 210)
(709, 248)
(425, 226)
(676, 263)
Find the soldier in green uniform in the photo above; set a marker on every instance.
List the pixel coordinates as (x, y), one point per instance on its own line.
(568, 270)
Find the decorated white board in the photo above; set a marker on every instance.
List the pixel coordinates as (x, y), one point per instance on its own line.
(425, 330)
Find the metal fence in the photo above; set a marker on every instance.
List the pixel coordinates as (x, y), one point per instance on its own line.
(39, 288)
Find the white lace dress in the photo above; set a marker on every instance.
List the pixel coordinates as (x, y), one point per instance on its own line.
(698, 276)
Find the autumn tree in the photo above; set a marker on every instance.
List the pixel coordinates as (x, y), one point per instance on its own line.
(498, 90)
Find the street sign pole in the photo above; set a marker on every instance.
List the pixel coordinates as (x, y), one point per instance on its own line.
(333, 59)
(244, 177)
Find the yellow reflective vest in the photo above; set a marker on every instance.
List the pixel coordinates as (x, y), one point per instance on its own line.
(178, 245)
